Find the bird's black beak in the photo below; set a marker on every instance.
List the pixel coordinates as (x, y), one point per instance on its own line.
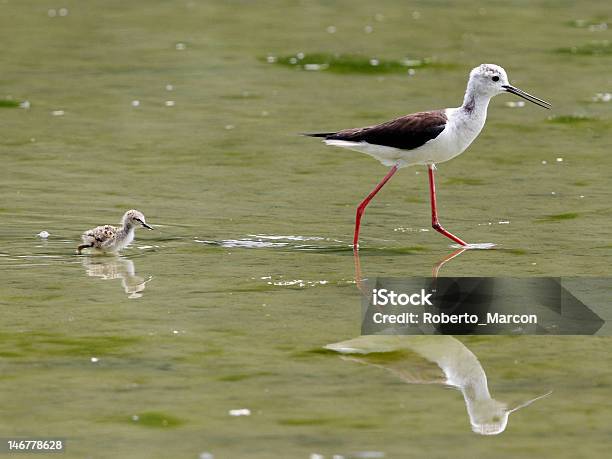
(527, 96)
(147, 226)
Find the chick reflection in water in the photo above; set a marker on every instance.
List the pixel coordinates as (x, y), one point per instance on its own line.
(115, 267)
(455, 366)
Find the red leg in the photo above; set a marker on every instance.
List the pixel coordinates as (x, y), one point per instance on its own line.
(358, 275)
(435, 224)
(436, 269)
(365, 202)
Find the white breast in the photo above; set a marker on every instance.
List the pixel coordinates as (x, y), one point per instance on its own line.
(128, 239)
(121, 241)
(461, 130)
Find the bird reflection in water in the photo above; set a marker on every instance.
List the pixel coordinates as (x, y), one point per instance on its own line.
(115, 267)
(437, 359)
(435, 271)
(455, 366)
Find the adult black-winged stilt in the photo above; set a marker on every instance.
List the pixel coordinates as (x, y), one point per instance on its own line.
(427, 138)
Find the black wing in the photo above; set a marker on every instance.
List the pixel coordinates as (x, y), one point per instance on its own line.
(406, 133)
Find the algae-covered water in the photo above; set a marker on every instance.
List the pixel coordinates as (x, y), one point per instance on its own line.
(189, 111)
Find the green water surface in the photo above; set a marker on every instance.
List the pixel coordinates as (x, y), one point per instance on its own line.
(228, 304)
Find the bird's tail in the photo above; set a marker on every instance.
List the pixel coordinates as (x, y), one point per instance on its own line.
(318, 134)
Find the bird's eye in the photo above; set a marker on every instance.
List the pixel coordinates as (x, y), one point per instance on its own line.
(495, 78)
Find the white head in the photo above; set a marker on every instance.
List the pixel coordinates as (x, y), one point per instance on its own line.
(490, 80)
(134, 218)
(490, 417)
